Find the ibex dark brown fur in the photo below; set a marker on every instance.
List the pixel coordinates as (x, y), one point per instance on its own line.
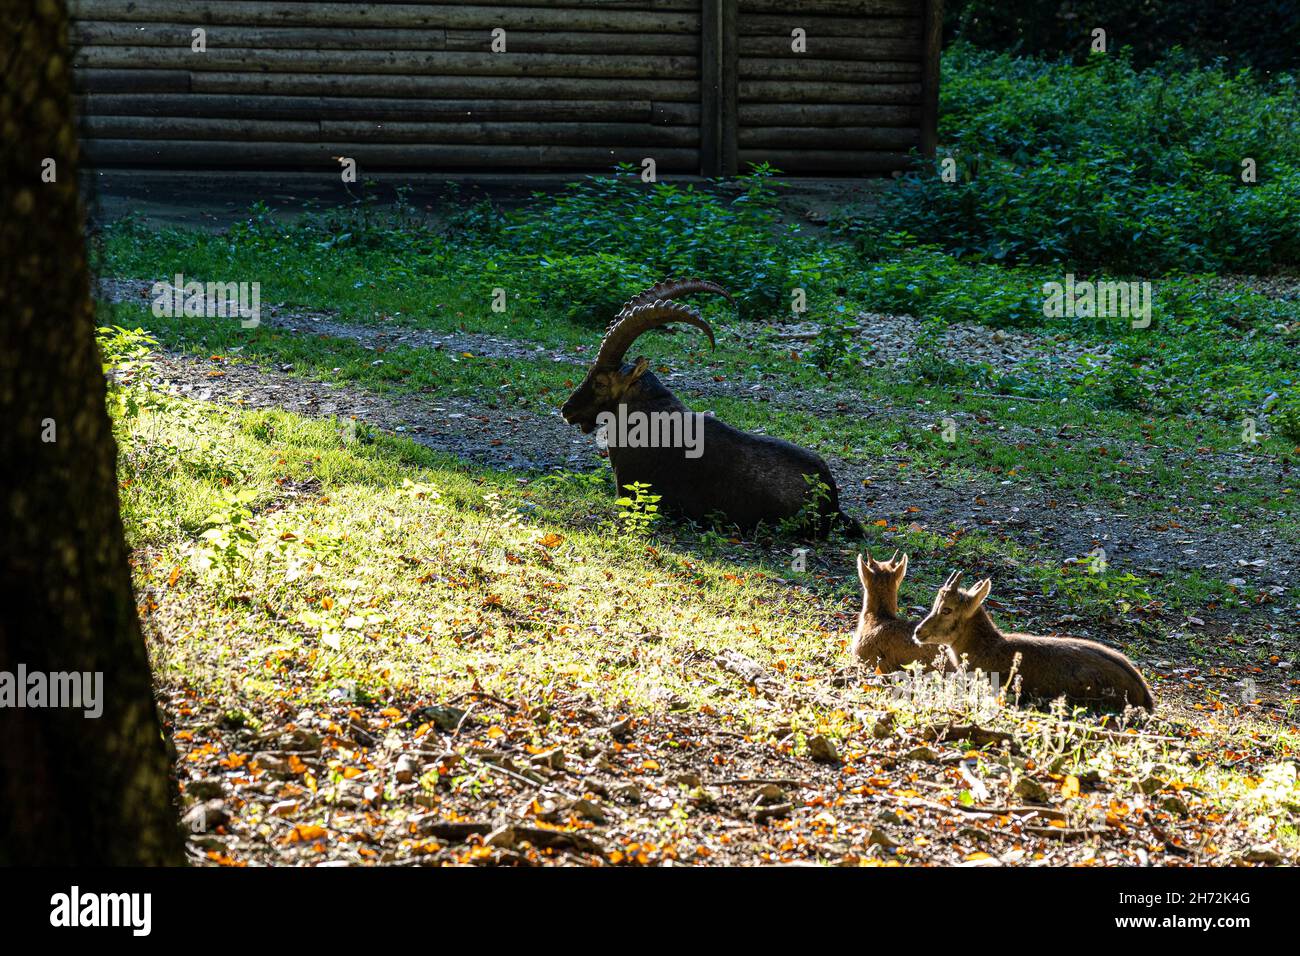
(1084, 672)
(743, 478)
(883, 639)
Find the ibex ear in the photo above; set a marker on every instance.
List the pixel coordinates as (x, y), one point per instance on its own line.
(901, 568)
(979, 592)
(641, 366)
(862, 571)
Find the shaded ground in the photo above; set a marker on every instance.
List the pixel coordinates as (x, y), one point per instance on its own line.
(168, 198)
(519, 438)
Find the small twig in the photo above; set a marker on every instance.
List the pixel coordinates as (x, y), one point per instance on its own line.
(1014, 398)
(759, 781)
(486, 696)
(489, 765)
(540, 784)
(1117, 734)
(1064, 833)
(463, 719)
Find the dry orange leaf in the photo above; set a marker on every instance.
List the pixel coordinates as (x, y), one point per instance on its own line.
(306, 832)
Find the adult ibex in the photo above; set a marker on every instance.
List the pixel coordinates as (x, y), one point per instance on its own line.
(1083, 672)
(700, 467)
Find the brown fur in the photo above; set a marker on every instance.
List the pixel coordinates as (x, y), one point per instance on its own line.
(883, 639)
(745, 478)
(1084, 672)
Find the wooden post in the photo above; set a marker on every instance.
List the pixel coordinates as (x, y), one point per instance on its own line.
(718, 83)
(730, 84)
(931, 46)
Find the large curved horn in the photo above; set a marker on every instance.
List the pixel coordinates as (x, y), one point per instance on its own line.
(643, 318)
(672, 289)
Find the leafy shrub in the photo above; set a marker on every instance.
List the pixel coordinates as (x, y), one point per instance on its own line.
(674, 231)
(125, 355)
(588, 288)
(639, 510)
(1287, 420)
(1260, 33)
(1102, 165)
(931, 284)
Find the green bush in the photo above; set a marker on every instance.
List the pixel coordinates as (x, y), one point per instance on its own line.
(1287, 420)
(1104, 166)
(1264, 34)
(667, 230)
(588, 289)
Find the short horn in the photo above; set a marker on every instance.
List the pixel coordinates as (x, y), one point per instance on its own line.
(641, 319)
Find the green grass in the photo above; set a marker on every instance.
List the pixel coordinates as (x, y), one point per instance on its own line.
(282, 564)
(1004, 439)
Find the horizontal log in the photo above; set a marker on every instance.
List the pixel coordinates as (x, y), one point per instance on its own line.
(404, 62)
(131, 81)
(359, 131)
(670, 18)
(438, 87)
(798, 68)
(827, 114)
(857, 8)
(118, 33)
(510, 134)
(178, 36)
(821, 47)
(181, 127)
(783, 91)
(884, 138)
(195, 154)
(651, 5)
(572, 41)
(296, 107)
(780, 24)
(826, 161)
(612, 4)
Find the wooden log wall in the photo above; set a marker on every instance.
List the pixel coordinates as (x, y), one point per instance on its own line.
(698, 85)
(849, 101)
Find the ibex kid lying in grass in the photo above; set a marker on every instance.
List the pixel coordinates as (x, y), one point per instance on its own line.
(1084, 672)
(742, 477)
(883, 639)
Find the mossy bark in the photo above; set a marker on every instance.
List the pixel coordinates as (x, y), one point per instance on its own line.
(73, 790)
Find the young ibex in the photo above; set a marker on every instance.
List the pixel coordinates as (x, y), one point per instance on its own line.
(1084, 672)
(883, 639)
(746, 479)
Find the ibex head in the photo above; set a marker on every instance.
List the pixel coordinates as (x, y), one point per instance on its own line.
(880, 581)
(951, 613)
(609, 382)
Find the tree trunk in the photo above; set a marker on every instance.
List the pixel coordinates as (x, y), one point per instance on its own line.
(74, 789)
